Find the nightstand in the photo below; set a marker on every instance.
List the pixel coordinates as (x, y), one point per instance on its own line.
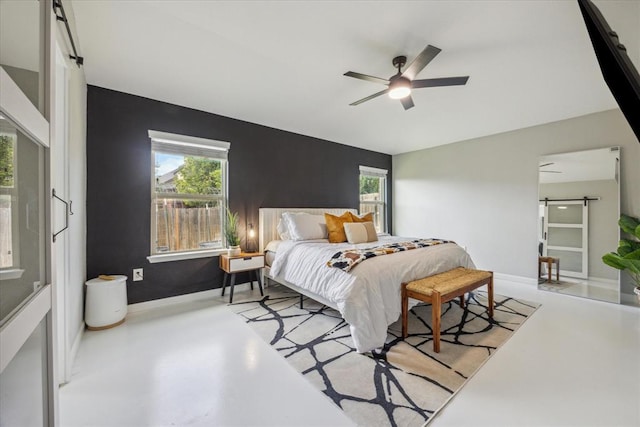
(251, 262)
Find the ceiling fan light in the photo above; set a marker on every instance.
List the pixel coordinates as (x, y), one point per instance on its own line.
(399, 92)
(399, 88)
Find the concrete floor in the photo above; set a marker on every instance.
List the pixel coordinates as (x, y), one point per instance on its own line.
(573, 363)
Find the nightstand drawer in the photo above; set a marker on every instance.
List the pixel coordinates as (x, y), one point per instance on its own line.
(246, 263)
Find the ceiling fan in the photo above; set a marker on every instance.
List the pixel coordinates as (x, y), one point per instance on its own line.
(399, 85)
(548, 164)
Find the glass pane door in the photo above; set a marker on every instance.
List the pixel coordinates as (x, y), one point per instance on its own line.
(27, 394)
(21, 219)
(24, 380)
(566, 236)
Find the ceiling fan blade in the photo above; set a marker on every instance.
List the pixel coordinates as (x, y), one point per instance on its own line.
(551, 171)
(360, 101)
(407, 102)
(443, 81)
(366, 77)
(420, 62)
(546, 164)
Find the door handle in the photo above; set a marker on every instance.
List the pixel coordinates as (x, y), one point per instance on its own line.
(67, 206)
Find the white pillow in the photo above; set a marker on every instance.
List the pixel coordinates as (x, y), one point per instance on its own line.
(272, 246)
(360, 232)
(303, 226)
(283, 231)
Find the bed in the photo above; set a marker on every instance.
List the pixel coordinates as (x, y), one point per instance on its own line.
(368, 296)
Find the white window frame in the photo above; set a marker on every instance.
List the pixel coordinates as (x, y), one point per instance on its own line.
(382, 204)
(186, 145)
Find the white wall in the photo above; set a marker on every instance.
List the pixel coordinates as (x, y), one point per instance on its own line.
(483, 193)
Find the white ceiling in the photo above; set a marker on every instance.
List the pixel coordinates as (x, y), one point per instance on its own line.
(281, 64)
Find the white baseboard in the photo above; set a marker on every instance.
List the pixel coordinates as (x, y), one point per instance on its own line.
(196, 296)
(518, 279)
(629, 299)
(604, 283)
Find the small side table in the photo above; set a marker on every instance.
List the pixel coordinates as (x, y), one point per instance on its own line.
(251, 262)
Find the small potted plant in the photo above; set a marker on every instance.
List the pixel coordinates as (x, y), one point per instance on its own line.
(627, 258)
(231, 233)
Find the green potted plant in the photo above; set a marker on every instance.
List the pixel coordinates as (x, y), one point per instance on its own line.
(231, 233)
(627, 258)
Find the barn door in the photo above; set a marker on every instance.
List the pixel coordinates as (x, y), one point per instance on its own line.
(565, 236)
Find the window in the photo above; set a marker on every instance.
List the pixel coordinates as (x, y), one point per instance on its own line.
(188, 194)
(373, 195)
(9, 250)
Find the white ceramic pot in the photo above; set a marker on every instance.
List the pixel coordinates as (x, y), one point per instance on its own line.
(233, 250)
(637, 292)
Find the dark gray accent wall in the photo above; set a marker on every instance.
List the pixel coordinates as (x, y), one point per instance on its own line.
(267, 168)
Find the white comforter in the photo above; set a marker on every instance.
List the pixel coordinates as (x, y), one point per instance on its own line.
(368, 297)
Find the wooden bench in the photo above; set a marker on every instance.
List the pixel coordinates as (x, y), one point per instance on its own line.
(441, 288)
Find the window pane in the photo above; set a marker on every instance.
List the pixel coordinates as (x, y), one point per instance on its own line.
(20, 45)
(378, 214)
(187, 224)
(369, 188)
(6, 236)
(7, 154)
(21, 220)
(7, 213)
(176, 173)
(565, 214)
(568, 237)
(569, 260)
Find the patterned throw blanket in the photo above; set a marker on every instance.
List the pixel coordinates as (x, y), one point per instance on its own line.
(349, 258)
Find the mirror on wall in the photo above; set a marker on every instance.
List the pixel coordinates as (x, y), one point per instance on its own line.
(578, 211)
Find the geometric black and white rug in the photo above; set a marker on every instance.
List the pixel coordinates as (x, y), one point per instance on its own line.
(403, 384)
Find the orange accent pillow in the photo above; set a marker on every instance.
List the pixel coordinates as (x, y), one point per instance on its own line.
(365, 218)
(335, 226)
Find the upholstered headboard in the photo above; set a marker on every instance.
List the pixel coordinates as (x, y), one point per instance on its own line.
(269, 218)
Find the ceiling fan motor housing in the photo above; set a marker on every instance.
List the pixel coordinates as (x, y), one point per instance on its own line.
(399, 62)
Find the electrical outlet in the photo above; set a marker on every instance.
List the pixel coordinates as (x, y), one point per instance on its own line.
(138, 274)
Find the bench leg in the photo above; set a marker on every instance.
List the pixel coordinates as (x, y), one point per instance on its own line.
(462, 301)
(436, 310)
(558, 270)
(539, 268)
(490, 295)
(405, 308)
